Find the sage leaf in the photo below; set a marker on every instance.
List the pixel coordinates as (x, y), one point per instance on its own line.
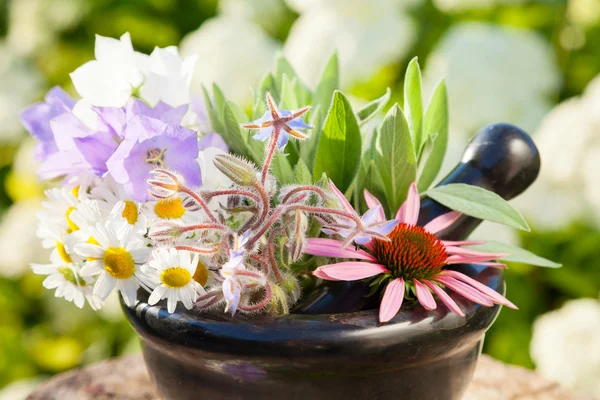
(413, 102)
(517, 254)
(479, 203)
(436, 123)
(370, 110)
(398, 162)
(339, 149)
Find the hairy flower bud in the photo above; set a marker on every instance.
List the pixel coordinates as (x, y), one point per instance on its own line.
(237, 169)
(165, 231)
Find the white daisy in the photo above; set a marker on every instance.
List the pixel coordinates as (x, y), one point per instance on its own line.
(123, 209)
(115, 258)
(181, 209)
(66, 278)
(59, 205)
(173, 273)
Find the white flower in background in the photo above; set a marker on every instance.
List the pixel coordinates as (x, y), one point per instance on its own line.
(268, 14)
(35, 24)
(301, 6)
(233, 53)
(566, 345)
(465, 5)
(568, 140)
(116, 259)
(20, 83)
(212, 178)
(493, 74)
(171, 274)
(368, 35)
(119, 72)
(19, 245)
(66, 278)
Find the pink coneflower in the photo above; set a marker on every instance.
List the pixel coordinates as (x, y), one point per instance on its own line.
(413, 257)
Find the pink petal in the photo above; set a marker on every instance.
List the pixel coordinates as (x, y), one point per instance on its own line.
(373, 202)
(424, 296)
(445, 298)
(492, 264)
(347, 206)
(442, 222)
(491, 293)
(333, 248)
(465, 290)
(352, 270)
(322, 275)
(460, 259)
(470, 252)
(409, 212)
(462, 242)
(392, 300)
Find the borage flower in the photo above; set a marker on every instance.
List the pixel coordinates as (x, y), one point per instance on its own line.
(413, 257)
(279, 124)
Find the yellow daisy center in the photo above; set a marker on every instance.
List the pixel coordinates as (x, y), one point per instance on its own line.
(62, 252)
(70, 276)
(118, 262)
(175, 277)
(201, 274)
(75, 191)
(169, 208)
(72, 226)
(130, 212)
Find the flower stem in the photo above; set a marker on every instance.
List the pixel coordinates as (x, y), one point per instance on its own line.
(200, 201)
(270, 153)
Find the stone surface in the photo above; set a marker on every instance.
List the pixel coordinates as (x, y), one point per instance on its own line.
(126, 379)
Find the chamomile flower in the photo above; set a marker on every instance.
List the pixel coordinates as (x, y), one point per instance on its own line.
(173, 272)
(173, 209)
(59, 205)
(115, 257)
(66, 278)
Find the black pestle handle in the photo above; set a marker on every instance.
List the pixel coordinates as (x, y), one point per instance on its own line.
(501, 158)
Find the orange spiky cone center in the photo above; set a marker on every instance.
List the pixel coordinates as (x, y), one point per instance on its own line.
(411, 253)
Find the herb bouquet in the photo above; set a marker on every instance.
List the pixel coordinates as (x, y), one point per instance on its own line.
(188, 202)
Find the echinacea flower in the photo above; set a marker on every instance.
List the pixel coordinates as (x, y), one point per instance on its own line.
(372, 224)
(413, 257)
(171, 272)
(66, 278)
(115, 256)
(279, 124)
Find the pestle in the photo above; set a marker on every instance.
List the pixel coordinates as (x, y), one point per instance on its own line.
(500, 158)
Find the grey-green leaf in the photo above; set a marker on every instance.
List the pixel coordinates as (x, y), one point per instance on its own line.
(479, 203)
(517, 254)
(302, 175)
(233, 132)
(328, 84)
(339, 149)
(398, 164)
(370, 110)
(413, 101)
(213, 115)
(436, 122)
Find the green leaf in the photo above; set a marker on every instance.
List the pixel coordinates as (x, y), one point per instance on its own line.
(374, 183)
(517, 254)
(328, 84)
(339, 148)
(281, 168)
(213, 115)
(281, 67)
(267, 84)
(436, 122)
(413, 102)
(218, 99)
(370, 110)
(398, 163)
(289, 100)
(309, 146)
(233, 132)
(302, 175)
(479, 203)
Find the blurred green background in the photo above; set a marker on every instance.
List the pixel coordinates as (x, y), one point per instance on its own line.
(505, 60)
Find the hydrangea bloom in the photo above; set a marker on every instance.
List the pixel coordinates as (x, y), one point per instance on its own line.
(368, 35)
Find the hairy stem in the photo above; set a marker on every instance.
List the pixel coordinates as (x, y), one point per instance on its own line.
(305, 188)
(270, 153)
